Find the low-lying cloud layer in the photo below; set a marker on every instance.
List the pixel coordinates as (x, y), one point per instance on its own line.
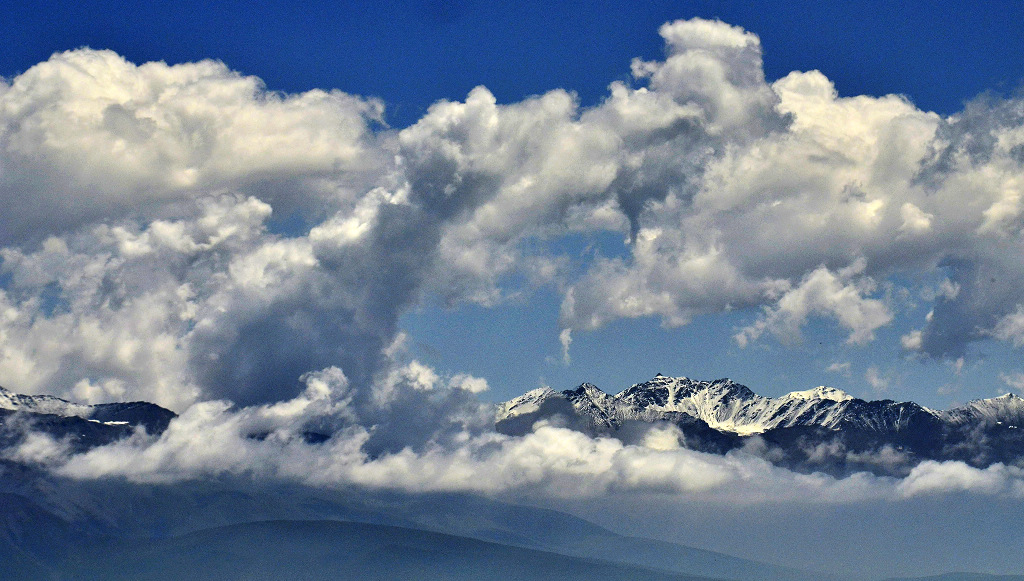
(181, 234)
(432, 437)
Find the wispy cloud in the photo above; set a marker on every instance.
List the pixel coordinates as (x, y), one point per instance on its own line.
(1014, 380)
(875, 378)
(840, 368)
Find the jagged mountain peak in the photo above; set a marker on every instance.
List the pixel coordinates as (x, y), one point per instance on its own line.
(728, 406)
(538, 393)
(722, 404)
(674, 393)
(589, 389)
(1007, 400)
(821, 428)
(527, 403)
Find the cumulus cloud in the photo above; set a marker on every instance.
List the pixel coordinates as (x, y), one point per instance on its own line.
(912, 341)
(1011, 327)
(469, 383)
(162, 183)
(822, 292)
(87, 135)
(144, 257)
(837, 181)
(915, 219)
(138, 262)
(208, 305)
(932, 477)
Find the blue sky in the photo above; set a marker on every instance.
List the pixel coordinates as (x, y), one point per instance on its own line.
(414, 53)
(410, 55)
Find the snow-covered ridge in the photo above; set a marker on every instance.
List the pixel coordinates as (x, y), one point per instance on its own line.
(821, 392)
(43, 404)
(1007, 408)
(128, 414)
(730, 407)
(527, 403)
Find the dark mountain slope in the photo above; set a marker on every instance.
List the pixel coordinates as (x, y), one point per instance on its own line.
(321, 550)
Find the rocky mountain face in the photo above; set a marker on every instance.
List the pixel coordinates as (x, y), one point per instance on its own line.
(819, 429)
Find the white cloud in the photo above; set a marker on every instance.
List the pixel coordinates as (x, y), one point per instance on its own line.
(912, 341)
(957, 365)
(468, 383)
(36, 448)
(1014, 380)
(876, 379)
(948, 289)
(915, 219)
(732, 192)
(840, 368)
(932, 477)
(87, 135)
(565, 338)
(824, 293)
(1011, 327)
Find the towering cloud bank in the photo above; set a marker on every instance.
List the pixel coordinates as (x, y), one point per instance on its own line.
(181, 234)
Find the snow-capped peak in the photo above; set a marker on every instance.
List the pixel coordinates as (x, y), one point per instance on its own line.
(527, 403)
(1005, 408)
(820, 392)
(722, 404)
(42, 404)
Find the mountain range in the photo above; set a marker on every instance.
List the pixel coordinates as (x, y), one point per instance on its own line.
(53, 527)
(822, 429)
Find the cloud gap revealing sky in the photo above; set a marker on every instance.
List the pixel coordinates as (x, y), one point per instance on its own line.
(449, 194)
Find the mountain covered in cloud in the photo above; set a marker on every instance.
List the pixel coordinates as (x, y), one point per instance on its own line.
(77, 425)
(58, 525)
(818, 429)
(821, 429)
